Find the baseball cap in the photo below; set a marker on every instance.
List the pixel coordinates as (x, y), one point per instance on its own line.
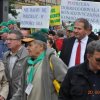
(36, 36)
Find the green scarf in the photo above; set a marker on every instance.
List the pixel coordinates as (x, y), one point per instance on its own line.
(32, 68)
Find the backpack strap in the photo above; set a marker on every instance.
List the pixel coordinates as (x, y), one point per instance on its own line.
(51, 65)
(55, 82)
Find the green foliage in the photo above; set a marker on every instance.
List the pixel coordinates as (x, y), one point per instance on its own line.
(12, 8)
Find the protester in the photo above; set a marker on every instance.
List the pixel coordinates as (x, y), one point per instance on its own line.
(4, 86)
(37, 74)
(91, 34)
(25, 32)
(3, 47)
(69, 27)
(59, 39)
(4, 32)
(44, 30)
(12, 25)
(70, 31)
(51, 44)
(74, 49)
(52, 35)
(82, 81)
(14, 60)
(3, 25)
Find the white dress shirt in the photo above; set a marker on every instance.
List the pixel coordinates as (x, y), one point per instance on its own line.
(74, 49)
(13, 59)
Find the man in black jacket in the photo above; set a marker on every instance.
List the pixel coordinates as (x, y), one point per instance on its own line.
(82, 82)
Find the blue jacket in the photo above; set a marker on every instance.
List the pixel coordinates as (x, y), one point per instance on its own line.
(3, 48)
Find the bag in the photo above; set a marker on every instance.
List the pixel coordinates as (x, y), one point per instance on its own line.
(55, 82)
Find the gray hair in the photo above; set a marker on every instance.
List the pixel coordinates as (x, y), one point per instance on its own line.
(85, 21)
(93, 46)
(17, 33)
(41, 43)
(60, 33)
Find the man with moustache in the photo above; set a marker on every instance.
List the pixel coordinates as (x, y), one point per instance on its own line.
(74, 49)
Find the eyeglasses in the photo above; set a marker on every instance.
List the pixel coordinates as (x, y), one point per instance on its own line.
(97, 59)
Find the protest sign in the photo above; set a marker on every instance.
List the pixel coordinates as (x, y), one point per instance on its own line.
(71, 10)
(35, 16)
(55, 16)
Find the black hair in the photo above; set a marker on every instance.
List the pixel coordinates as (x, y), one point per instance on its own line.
(52, 42)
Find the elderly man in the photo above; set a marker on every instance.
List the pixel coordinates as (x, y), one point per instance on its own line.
(37, 80)
(14, 60)
(82, 82)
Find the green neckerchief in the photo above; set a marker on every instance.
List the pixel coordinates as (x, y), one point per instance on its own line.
(58, 54)
(32, 69)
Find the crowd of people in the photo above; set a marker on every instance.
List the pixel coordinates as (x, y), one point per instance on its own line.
(30, 62)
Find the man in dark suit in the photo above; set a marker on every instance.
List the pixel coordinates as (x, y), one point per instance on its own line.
(82, 82)
(70, 46)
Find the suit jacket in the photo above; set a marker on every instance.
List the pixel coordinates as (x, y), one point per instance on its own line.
(67, 49)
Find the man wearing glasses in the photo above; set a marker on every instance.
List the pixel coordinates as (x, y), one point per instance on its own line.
(82, 82)
(14, 60)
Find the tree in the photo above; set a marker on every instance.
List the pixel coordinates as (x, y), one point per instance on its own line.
(12, 9)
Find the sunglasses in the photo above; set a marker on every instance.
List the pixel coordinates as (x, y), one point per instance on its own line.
(97, 59)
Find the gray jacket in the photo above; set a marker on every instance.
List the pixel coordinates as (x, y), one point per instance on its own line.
(60, 70)
(17, 69)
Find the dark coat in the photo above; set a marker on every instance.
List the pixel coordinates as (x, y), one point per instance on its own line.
(67, 49)
(77, 84)
(93, 36)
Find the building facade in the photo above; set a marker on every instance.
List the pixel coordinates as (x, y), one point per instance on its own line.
(42, 2)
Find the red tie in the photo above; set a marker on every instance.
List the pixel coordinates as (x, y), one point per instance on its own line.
(78, 53)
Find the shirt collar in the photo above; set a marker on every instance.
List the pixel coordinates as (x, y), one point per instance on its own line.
(84, 40)
(17, 53)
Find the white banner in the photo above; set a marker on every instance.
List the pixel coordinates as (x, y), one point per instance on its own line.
(71, 10)
(35, 16)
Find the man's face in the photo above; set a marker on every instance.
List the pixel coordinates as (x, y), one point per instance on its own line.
(79, 30)
(94, 61)
(53, 37)
(34, 49)
(12, 41)
(25, 33)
